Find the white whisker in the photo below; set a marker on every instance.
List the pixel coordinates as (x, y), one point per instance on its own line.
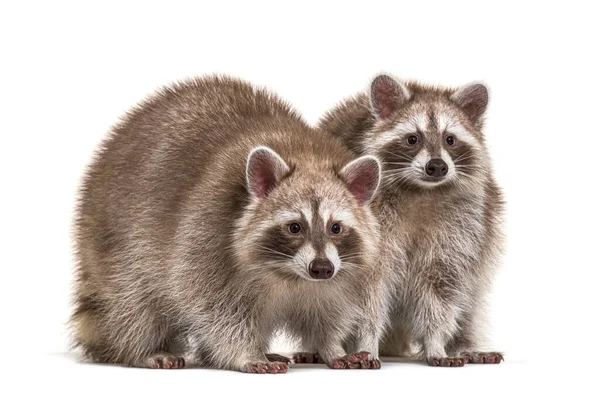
(264, 249)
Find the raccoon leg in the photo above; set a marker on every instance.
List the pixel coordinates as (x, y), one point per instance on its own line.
(435, 323)
(334, 356)
(188, 348)
(257, 362)
(396, 340)
(107, 335)
(324, 346)
(466, 340)
(244, 354)
(369, 330)
(232, 341)
(435, 354)
(464, 348)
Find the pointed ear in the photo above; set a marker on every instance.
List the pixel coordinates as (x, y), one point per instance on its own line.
(472, 99)
(362, 177)
(264, 170)
(387, 95)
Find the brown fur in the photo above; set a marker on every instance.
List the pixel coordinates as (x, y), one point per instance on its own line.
(442, 242)
(178, 259)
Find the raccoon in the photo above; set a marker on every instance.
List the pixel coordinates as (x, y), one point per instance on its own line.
(211, 218)
(440, 208)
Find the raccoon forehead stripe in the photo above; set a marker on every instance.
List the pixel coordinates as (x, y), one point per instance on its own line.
(404, 128)
(343, 216)
(337, 216)
(447, 123)
(420, 121)
(334, 213)
(286, 216)
(373, 144)
(463, 134)
(308, 215)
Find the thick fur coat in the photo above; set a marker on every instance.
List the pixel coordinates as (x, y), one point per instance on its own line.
(440, 210)
(211, 217)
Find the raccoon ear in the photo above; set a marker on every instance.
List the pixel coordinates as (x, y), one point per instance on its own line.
(362, 177)
(387, 95)
(472, 99)
(264, 169)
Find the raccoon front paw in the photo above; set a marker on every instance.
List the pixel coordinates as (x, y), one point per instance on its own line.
(307, 358)
(279, 358)
(447, 361)
(166, 361)
(360, 360)
(483, 358)
(266, 368)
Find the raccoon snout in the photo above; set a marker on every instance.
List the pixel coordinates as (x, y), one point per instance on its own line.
(436, 168)
(321, 269)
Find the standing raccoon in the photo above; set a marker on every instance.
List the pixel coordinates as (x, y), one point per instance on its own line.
(212, 217)
(440, 208)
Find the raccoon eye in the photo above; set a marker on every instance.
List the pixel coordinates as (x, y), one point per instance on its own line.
(412, 140)
(450, 140)
(295, 228)
(336, 228)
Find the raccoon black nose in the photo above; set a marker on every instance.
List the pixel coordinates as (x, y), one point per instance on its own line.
(436, 167)
(321, 269)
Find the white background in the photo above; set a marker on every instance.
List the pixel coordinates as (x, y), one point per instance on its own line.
(69, 70)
